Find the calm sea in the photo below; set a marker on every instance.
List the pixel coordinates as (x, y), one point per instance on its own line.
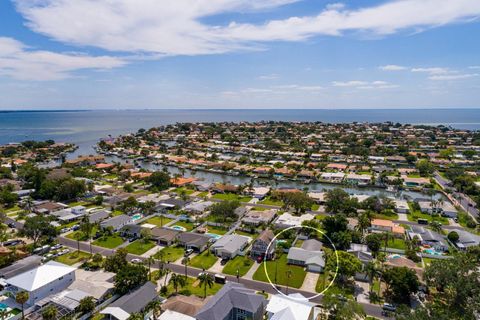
(86, 127)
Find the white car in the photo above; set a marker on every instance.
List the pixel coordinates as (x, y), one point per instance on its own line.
(136, 260)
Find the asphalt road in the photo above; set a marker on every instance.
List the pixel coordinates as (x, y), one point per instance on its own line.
(372, 310)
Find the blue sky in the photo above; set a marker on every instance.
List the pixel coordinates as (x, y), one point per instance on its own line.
(60, 54)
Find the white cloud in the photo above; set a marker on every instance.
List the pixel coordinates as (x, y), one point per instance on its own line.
(474, 67)
(364, 84)
(432, 70)
(22, 63)
(392, 67)
(178, 27)
(456, 76)
(272, 76)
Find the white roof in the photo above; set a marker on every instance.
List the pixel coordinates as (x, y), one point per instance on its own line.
(40, 276)
(117, 312)
(284, 308)
(173, 315)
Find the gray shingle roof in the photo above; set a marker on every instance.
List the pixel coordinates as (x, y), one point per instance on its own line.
(232, 295)
(136, 300)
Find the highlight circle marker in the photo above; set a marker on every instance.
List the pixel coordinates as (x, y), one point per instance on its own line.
(275, 286)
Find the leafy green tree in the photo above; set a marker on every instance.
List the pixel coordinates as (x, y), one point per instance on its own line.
(159, 180)
(225, 210)
(348, 265)
(336, 228)
(87, 305)
(401, 283)
(425, 167)
(374, 242)
(114, 262)
(130, 276)
(50, 313)
(339, 201)
(342, 309)
(453, 236)
(38, 228)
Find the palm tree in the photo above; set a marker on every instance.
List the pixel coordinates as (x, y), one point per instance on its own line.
(155, 306)
(149, 261)
(436, 226)
(86, 227)
(22, 298)
(177, 280)
(371, 271)
(28, 204)
(77, 237)
(278, 254)
(185, 261)
(4, 314)
(205, 280)
(166, 272)
(50, 313)
(364, 221)
(136, 316)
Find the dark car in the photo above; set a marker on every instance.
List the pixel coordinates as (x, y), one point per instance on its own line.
(224, 262)
(11, 224)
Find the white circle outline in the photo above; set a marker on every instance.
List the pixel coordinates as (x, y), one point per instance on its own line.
(306, 298)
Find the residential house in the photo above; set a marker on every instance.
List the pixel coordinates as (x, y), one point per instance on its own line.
(42, 281)
(258, 217)
(318, 197)
(98, 216)
(164, 236)
(229, 246)
(466, 239)
(21, 266)
(170, 204)
(428, 237)
(415, 182)
(444, 208)
(195, 241)
(401, 206)
(260, 245)
(233, 302)
(293, 307)
(363, 254)
(186, 305)
(335, 177)
(287, 220)
(381, 225)
(259, 192)
(198, 207)
(358, 179)
(132, 231)
(131, 303)
(309, 256)
(117, 222)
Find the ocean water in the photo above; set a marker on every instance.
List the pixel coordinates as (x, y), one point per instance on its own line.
(85, 128)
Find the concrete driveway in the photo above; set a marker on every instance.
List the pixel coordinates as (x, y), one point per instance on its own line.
(310, 282)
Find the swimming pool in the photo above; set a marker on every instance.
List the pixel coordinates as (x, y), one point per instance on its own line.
(180, 228)
(432, 252)
(136, 216)
(213, 235)
(3, 306)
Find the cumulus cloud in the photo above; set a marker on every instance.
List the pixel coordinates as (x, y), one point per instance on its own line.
(392, 67)
(23, 63)
(179, 28)
(364, 84)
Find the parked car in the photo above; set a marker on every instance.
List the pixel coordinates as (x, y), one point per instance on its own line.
(57, 246)
(11, 225)
(136, 260)
(188, 252)
(76, 227)
(63, 230)
(13, 242)
(389, 307)
(224, 262)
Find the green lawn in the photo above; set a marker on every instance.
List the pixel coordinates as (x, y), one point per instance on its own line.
(139, 246)
(325, 279)
(116, 213)
(83, 236)
(77, 203)
(193, 287)
(170, 253)
(414, 215)
(393, 216)
(217, 230)
(202, 194)
(414, 175)
(271, 202)
(315, 207)
(187, 225)
(109, 242)
(396, 243)
(13, 209)
(243, 233)
(187, 191)
(205, 260)
(296, 280)
(158, 221)
(231, 196)
(73, 257)
(242, 264)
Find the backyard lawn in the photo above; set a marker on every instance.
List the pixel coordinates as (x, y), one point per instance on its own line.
(83, 236)
(205, 260)
(187, 225)
(242, 264)
(170, 253)
(243, 233)
(187, 191)
(158, 221)
(109, 242)
(396, 243)
(231, 196)
(297, 277)
(202, 194)
(73, 257)
(216, 230)
(139, 246)
(271, 202)
(193, 287)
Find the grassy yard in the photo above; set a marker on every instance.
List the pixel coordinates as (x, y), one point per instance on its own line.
(77, 203)
(73, 257)
(170, 253)
(139, 247)
(217, 230)
(202, 194)
(243, 233)
(414, 215)
(109, 242)
(231, 196)
(396, 243)
(187, 225)
(325, 279)
(271, 202)
(116, 213)
(315, 207)
(205, 260)
(193, 287)
(393, 216)
(84, 237)
(296, 280)
(187, 191)
(242, 264)
(158, 221)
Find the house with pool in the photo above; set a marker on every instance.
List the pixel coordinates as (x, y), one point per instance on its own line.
(196, 241)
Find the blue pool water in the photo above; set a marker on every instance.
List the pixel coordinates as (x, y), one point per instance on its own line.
(3, 306)
(213, 235)
(137, 216)
(180, 228)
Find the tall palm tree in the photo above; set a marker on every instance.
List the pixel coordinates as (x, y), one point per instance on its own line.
(364, 221)
(50, 313)
(4, 314)
(165, 274)
(28, 204)
(436, 226)
(371, 271)
(78, 237)
(22, 298)
(205, 280)
(87, 227)
(186, 261)
(278, 254)
(155, 306)
(177, 280)
(288, 273)
(149, 261)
